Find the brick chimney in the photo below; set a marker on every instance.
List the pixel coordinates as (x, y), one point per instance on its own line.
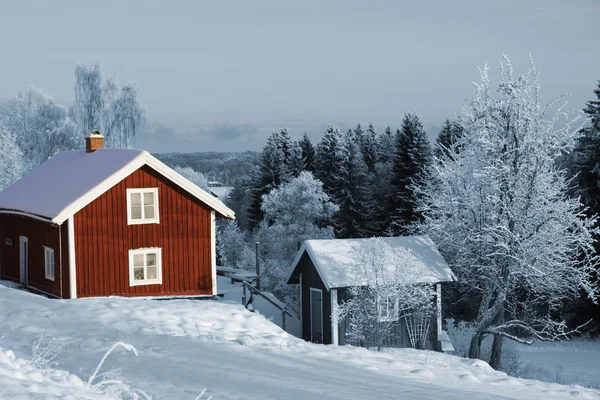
(93, 142)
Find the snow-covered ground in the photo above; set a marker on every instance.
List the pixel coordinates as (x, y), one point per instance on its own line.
(573, 362)
(187, 345)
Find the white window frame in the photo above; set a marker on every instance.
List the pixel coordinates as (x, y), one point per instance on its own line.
(141, 191)
(146, 251)
(391, 313)
(49, 262)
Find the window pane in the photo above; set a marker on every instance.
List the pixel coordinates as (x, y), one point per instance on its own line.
(151, 259)
(138, 274)
(148, 199)
(136, 199)
(136, 212)
(138, 260)
(148, 212)
(151, 272)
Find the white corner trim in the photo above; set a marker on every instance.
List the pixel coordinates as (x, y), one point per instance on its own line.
(144, 158)
(72, 266)
(213, 251)
(334, 321)
(438, 292)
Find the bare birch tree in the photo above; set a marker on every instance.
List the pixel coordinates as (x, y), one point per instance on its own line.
(106, 105)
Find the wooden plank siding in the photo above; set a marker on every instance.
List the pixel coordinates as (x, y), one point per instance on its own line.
(103, 240)
(311, 278)
(39, 234)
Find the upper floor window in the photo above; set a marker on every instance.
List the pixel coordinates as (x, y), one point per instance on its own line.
(142, 206)
(49, 262)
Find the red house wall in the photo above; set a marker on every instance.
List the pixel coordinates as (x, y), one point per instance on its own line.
(103, 239)
(39, 234)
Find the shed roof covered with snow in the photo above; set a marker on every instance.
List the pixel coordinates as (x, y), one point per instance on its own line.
(339, 262)
(70, 180)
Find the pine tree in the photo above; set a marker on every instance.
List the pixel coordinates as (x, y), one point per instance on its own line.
(369, 148)
(271, 174)
(329, 158)
(308, 154)
(387, 146)
(353, 196)
(447, 139)
(413, 155)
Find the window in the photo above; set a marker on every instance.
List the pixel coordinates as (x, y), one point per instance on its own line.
(145, 267)
(142, 206)
(387, 308)
(49, 262)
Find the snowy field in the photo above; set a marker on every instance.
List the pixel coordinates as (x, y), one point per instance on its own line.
(185, 346)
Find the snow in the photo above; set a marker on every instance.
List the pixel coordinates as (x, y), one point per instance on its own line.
(339, 266)
(222, 192)
(186, 346)
(66, 177)
(21, 380)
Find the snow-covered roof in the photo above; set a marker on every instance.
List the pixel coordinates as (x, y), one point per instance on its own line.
(338, 263)
(70, 180)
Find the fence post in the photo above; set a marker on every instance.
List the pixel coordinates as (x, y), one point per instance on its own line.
(283, 319)
(244, 293)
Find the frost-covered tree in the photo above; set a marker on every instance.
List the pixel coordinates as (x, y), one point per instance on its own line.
(232, 247)
(308, 154)
(384, 290)
(386, 145)
(500, 213)
(106, 105)
(296, 211)
(40, 126)
(12, 163)
(413, 156)
(197, 178)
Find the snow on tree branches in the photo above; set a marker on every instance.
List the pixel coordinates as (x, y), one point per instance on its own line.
(500, 213)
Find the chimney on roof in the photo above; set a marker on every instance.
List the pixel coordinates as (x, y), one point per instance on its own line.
(93, 142)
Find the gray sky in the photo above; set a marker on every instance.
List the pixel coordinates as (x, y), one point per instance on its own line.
(221, 75)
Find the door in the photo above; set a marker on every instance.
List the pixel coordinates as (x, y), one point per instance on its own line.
(316, 315)
(24, 259)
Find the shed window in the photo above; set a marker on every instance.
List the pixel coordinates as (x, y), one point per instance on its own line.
(145, 267)
(142, 206)
(387, 308)
(49, 262)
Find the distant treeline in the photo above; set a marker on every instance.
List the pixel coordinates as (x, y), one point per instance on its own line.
(226, 168)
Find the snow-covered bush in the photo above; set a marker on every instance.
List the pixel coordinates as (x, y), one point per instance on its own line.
(12, 162)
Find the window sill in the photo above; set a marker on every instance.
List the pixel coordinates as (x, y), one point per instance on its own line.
(143, 221)
(145, 283)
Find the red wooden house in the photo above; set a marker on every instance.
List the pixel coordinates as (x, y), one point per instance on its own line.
(101, 222)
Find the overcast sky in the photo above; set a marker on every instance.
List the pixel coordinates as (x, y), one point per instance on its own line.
(224, 74)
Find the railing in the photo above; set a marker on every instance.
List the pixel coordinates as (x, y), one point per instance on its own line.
(246, 286)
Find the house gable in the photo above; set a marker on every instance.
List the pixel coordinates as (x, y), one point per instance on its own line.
(103, 239)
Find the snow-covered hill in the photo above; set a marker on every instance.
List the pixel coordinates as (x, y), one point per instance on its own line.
(186, 346)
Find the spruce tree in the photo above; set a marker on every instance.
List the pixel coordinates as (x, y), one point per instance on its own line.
(448, 139)
(272, 172)
(353, 196)
(387, 145)
(413, 155)
(329, 158)
(308, 154)
(369, 148)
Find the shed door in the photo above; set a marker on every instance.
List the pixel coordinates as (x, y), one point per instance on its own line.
(24, 258)
(316, 315)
